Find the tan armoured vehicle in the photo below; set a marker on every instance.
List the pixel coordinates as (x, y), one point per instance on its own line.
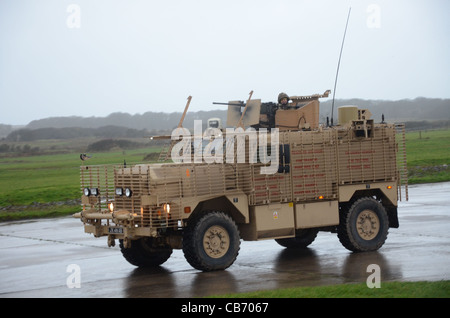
(345, 179)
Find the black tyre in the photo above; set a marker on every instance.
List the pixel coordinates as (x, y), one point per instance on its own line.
(143, 253)
(364, 226)
(211, 241)
(302, 239)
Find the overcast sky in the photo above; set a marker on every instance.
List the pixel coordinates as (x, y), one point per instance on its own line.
(95, 57)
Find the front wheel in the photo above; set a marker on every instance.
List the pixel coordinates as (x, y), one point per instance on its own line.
(211, 241)
(364, 226)
(144, 253)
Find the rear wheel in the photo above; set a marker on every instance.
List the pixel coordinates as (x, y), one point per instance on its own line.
(364, 226)
(144, 253)
(211, 241)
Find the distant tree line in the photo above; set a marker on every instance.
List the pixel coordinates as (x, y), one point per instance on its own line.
(5, 130)
(123, 125)
(405, 110)
(147, 121)
(108, 144)
(21, 135)
(25, 149)
(427, 125)
(417, 109)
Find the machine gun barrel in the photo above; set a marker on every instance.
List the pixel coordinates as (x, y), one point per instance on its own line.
(241, 104)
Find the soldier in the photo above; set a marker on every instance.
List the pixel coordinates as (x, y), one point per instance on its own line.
(283, 100)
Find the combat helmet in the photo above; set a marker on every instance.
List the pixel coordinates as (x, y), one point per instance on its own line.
(281, 96)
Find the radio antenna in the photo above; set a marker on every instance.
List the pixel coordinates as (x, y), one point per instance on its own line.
(339, 63)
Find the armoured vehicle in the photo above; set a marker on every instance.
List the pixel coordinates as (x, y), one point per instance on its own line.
(346, 179)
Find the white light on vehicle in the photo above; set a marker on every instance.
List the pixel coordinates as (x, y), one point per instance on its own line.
(111, 207)
(86, 192)
(128, 192)
(94, 191)
(119, 192)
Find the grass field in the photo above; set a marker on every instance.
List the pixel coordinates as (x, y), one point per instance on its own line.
(438, 289)
(428, 156)
(30, 183)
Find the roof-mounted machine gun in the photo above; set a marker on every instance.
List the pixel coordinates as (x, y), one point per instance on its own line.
(301, 113)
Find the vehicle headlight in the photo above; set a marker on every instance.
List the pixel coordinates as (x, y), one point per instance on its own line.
(119, 192)
(91, 191)
(128, 192)
(94, 191)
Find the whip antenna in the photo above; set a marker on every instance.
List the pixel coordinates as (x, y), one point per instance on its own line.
(339, 63)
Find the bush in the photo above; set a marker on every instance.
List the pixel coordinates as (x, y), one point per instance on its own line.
(4, 148)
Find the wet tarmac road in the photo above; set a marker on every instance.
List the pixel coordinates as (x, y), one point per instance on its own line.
(37, 258)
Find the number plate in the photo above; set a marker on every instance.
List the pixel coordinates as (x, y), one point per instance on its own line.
(115, 230)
